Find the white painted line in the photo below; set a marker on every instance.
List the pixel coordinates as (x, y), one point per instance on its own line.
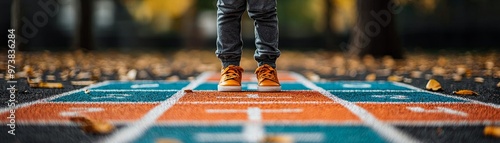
(79, 111)
(265, 97)
(251, 102)
(253, 95)
(145, 85)
(252, 86)
(53, 97)
(115, 96)
(455, 97)
(254, 132)
(437, 110)
(292, 110)
(254, 114)
(356, 85)
(385, 130)
(129, 133)
(396, 97)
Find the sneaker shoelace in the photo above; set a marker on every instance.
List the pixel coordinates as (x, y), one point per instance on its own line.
(266, 72)
(231, 73)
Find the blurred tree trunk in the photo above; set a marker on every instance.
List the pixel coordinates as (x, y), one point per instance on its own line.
(367, 40)
(329, 37)
(84, 35)
(191, 34)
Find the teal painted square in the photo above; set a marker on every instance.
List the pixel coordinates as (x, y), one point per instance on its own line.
(359, 85)
(252, 86)
(145, 85)
(393, 97)
(300, 134)
(116, 96)
(324, 133)
(186, 134)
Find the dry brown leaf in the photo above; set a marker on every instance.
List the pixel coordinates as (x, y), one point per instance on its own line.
(279, 139)
(465, 92)
(479, 79)
(433, 85)
(94, 126)
(167, 140)
(493, 131)
(395, 78)
(371, 77)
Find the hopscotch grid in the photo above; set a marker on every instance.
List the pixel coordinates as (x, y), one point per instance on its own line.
(387, 131)
(138, 128)
(449, 96)
(22, 105)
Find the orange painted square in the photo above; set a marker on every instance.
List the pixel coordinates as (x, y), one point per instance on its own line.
(400, 112)
(51, 112)
(287, 96)
(310, 112)
(247, 77)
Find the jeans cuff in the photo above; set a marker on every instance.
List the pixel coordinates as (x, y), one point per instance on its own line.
(270, 63)
(226, 63)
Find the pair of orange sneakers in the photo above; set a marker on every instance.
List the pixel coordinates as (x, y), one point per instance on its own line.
(267, 78)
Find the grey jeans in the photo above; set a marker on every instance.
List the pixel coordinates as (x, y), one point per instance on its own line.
(229, 41)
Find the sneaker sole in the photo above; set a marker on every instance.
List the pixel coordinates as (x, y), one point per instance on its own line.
(269, 88)
(228, 88)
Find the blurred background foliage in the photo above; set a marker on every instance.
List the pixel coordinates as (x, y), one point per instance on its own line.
(128, 25)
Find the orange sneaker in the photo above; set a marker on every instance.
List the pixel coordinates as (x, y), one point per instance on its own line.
(267, 77)
(230, 79)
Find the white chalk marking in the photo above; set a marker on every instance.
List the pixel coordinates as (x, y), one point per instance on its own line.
(356, 85)
(79, 111)
(438, 110)
(145, 85)
(115, 96)
(398, 97)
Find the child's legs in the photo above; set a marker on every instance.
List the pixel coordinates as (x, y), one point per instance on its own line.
(229, 42)
(264, 13)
